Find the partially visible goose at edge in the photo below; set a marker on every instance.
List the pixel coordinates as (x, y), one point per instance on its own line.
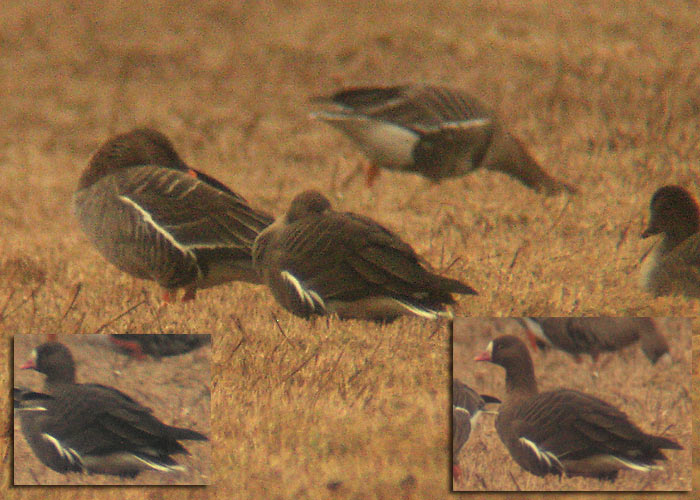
(155, 218)
(434, 131)
(318, 261)
(467, 406)
(592, 336)
(565, 431)
(90, 427)
(160, 345)
(673, 265)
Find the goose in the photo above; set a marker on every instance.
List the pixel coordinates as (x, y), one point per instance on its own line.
(434, 131)
(155, 218)
(92, 428)
(467, 406)
(673, 265)
(564, 431)
(158, 346)
(592, 336)
(318, 261)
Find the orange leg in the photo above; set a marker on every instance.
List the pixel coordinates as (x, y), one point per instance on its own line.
(456, 473)
(532, 338)
(134, 348)
(169, 296)
(190, 292)
(371, 174)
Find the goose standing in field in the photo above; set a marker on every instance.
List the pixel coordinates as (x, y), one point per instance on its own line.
(565, 431)
(592, 336)
(434, 131)
(155, 218)
(467, 405)
(91, 427)
(318, 261)
(673, 266)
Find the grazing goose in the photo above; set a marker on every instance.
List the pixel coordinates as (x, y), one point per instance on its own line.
(434, 131)
(155, 218)
(90, 427)
(592, 336)
(673, 266)
(467, 405)
(565, 431)
(318, 261)
(159, 346)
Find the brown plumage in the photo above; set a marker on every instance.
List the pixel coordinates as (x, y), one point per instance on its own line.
(673, 265)
(159, 346)
(155, 218)
(90, 427)
(565, 431)
(467, 405)
(434, 131)
(593, 336)
(318, 261)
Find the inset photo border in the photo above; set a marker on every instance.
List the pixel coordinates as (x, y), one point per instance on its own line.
(66, 434)
(600, 394)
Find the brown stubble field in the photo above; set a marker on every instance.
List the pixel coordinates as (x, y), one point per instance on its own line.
(176, 388)
(656, 398)
(605, 94)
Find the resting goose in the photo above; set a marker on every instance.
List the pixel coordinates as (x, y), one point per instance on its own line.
(153, 217)
(91, 427)
(565, 431)
(592, 336)
(158, 346)
(673, 265)
(317, 261)
(434, 131)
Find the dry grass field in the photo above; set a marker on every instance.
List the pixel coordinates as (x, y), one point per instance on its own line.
(657, 398)
(605, 94)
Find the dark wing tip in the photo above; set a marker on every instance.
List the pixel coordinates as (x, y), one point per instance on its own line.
(489, 399)
(462, 288)
(552, 186)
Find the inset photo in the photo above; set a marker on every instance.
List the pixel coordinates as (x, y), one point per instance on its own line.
(571, 404)
(112, 409)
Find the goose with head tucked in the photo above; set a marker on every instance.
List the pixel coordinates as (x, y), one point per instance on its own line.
(155, 218)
